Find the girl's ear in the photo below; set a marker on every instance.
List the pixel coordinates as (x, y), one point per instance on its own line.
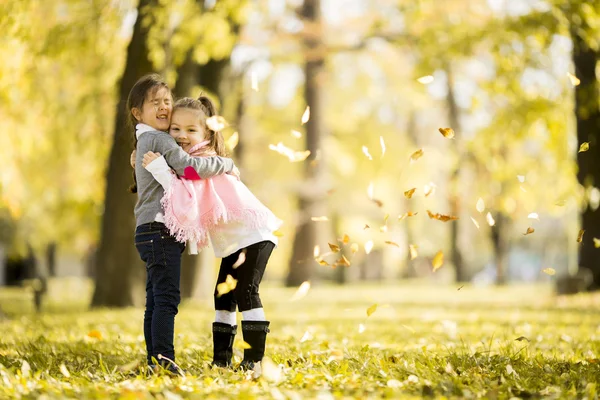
(137, 113)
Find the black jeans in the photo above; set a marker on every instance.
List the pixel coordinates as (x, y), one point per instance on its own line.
(245, 295)
(162, 255)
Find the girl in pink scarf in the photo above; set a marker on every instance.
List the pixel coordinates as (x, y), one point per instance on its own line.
(223, 211)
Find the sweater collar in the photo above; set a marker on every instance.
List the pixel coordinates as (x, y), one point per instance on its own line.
(143, 128)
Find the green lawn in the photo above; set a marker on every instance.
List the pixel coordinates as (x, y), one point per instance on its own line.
(520, 342)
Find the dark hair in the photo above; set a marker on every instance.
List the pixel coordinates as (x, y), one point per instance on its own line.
(208, 109)
(149, 83)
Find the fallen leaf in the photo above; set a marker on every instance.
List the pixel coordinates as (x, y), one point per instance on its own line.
(216, 123)
(529, 231)
(296, 134)
(574, 80)
(233, 141)
(320, 219)
(392, 243)
(447, 132)
(241, 259)
(416, 155)
(368, 246)
(354, 248)
(25, 369)
(490, 219)
(408, 194)
(441, 217)
(270, 371)
(316, 251)
(63, 369)
(534, 216)
(302, 291)
(596, 243)
(346, 239)
(585, 146)
(371, 310)
(95, 334)
(580, 235)
(306, 115)
(549, 271)
(475, 223)
(521, 338)
(408, 214)
(438, 261)
(334, 247)
(413, 251)
(425, 80)
(227, 286)
(382, 143)
(480, 206)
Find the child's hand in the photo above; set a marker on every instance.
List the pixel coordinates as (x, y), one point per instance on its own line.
(132, 159)
(149, 157)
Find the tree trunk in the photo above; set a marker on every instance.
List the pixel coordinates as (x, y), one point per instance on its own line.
(301, 266)
(51, 259)
(118, 263)
(454, 183)
(587, 112)
(501, 248)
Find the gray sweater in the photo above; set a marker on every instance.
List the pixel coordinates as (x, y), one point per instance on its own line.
(150, 192)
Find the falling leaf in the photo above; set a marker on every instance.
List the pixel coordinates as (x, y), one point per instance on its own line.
(316, 251)
(378, 202)
(361, 328)
(560, 203)
(522, 189)
(441, 217)
(334, 247)
(233, 141)
(382, 143)
(413, 251)
(371, 310)
(216, 123)
(302, 291)
(366, 227)
(227, 286)
(425, 80)
(292, 155)
(475, 223)
(241, 259)
(346, 239)
(95, 334)
(438, 261)
(416, 155)
(383, 229)
(585, 146)
(580, 235)
(368, 246)
(460, 288)
(343, 262)
(321, 261)
(490, 219)
(429, 189)
(574, 80)
(529, 231)
(534, 216)
(480, 206)
(521, 338)
(320, 219)
(549, 271)
(521, 178)
(447, 132)
(392, 243)
(63, 369)
(296, 134)
(277, 233)
(254, 79)
(408, 214)
(370, 190)
(242, 345)
(596, 243)
(408, 194)
(306, 115)
(354, 248)
(365, 151)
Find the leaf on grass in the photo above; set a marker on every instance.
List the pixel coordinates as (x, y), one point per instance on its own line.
(63, 369)
(580, 235)
(368, 246)
(408, 194)
(25, 369)
(416, 155)
(392, 243)
(125, 368)
(371, 310)
(549, 271)
(438, 261)
(354, 248)
(475, 223)
(334, 247)
(529, 231)
(382, 143)
(95, 334)
(301, 291)
(241, 259)
(227, 286)
(441, 217)
(447, 132)
(575, 81)
(596, 243)
(480, 206)
(216, 123)
(425, 80)
(585, 146)
(490, 219)
(306, 337)
(306, 115)
(365, 151)
(319, 219)
(521, 338)
(413, 251)
(233, 141)
(406, 215)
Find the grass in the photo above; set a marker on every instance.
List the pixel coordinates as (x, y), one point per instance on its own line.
(420, 341)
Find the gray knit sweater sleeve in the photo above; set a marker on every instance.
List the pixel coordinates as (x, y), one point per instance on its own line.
(178, 159)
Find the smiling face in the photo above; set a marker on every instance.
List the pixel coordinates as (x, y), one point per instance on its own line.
(156, 110)
(186, 128)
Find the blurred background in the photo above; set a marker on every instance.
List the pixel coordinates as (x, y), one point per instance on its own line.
(450, 141)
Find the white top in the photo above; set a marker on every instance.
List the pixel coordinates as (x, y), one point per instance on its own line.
(231, 237)
(139, 130)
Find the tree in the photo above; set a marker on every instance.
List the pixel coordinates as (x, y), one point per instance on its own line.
(117, 261)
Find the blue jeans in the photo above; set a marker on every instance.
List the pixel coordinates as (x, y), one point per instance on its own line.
(162, 255)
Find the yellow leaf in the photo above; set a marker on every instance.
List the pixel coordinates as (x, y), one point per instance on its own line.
(306, 115)
(361, 328)
(574, 80)
(354, 248)
(416, 155)
(438, 260)
(233, 141)
(227, 286)
(580, 236)
(296, 134)
(429, 189)
(549, 271)
(529, 231)
(408, 214)
(216, 123)
(316, 251)
(254, 79)
(346, 239)
(378, 202)
(95, 334)
(392, 243)
(585, 146)
(413, 251)
(447, 132)
(475, 223)
(425, 80)
(321, 261)
(490, 219)
(368, 246)
(302, 291)
(596, 243)
(277, 233)
(383, 229)
(441, 217)
(521, 178)
(365, 151)
(334, 247)
(366, 227)
(319, 219)
(241, 259)
(343, 262)
(408, 194)
(242, 345)
(382, 143)
(371, 310)
(480, 206)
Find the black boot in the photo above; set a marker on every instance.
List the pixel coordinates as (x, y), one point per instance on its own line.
(223, 335)
(255, 334)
